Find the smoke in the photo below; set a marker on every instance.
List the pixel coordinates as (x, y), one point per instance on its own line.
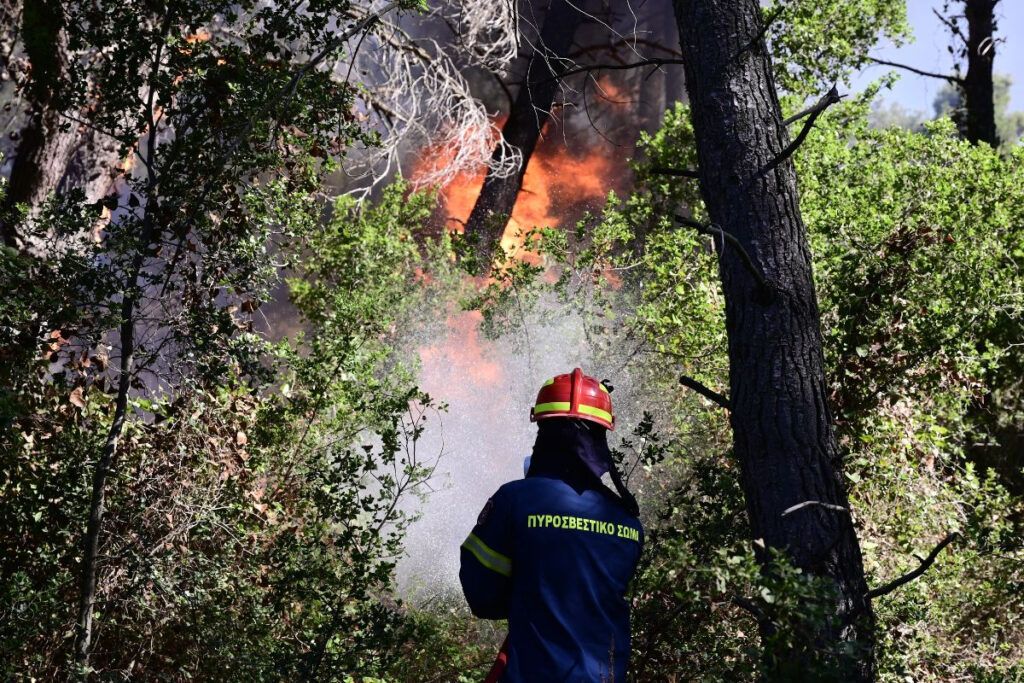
(431, 104)
(489, 387)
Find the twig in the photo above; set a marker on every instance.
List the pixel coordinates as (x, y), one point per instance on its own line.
(910, 576)
(90, 125)
(747, 605)
(705, 391)
(616, 67)
(632, 43)
(817, 106)
(808, 503)
(726, 237)
(364, 25)
(593, 123)
(681, 172)
(953, 29)
(830, 98)
(946, 77)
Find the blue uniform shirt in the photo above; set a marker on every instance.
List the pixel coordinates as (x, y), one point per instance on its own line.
(555, 561)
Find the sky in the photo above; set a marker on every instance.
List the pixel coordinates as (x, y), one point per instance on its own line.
(928, 53)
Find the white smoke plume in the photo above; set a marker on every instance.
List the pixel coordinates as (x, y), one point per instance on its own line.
(489, 387)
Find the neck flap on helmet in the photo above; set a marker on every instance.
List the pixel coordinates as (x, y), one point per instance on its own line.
(577, 452)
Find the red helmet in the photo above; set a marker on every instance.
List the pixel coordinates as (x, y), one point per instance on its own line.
(574, 395)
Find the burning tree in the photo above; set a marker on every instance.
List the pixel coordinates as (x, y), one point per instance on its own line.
(570, 48)
(169, 469)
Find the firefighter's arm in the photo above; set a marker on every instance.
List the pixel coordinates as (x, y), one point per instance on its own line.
(486, 560)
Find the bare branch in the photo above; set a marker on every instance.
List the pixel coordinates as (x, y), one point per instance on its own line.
(618, 67)
(592, 121)
(488, 31)
(946, 77)
(821, 104)
(705, 391)
(818, 503)
(910, 576)
(680, 172)
(364, 25)
(420, 99)
(747, 605)
(716, 231)
(613, 48)
(830, 98)
(948, 23)
(361, 27)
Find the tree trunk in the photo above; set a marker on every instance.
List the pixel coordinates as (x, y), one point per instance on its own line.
(104, 466)
(47, 141)
(55, 154)
(530, 111)
(783, 431)
(97, 503)
(977, 85)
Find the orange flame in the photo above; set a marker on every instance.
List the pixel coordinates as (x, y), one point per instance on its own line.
(200, 36)
(557, 187)
(128, 163)
(609, 93)
(459, 356)
(556, 182)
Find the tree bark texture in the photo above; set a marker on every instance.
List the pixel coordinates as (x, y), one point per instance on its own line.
(10, 11)
(530, 110)
(977, 84)
(783, 430)
(47, 141)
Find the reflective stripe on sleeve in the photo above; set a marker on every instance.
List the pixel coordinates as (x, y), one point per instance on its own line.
(491, 559)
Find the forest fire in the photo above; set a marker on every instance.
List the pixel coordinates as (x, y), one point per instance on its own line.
(557, 187)
(496, 378)
(218, 463)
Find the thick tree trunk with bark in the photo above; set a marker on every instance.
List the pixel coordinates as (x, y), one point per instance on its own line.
(530, 110)
(54, 154)
(980, 125)
(782, 427)
(47, 141)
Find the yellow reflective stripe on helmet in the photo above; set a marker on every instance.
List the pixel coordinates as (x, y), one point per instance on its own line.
(596, 412)
(491, 559)
(550, 407)
(549, 382)
(603, 388)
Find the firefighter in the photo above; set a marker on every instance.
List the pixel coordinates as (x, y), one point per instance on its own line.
(554, 553)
